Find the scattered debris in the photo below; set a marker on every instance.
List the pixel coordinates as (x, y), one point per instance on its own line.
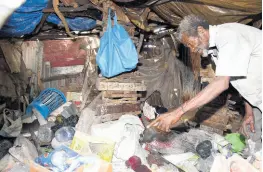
(83, 103)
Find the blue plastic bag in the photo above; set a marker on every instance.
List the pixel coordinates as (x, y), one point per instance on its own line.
(117, 53)
(26, 18)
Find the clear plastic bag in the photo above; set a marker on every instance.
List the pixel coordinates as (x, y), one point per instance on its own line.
(12, 123)
(23, 150)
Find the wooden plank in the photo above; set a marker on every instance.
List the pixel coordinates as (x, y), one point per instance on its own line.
(120, 92)
(124, 82)
(111, 94)
(119, 101)
(100, 85)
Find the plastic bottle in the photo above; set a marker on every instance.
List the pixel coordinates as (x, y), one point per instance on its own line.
(65, 134)
(45, 134)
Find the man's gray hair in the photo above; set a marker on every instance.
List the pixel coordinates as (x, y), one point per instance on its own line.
(189, 26)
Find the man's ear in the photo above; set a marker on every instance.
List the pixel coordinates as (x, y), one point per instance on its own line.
(200, 30)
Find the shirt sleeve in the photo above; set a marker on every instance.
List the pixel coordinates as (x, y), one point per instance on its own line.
(233, 54)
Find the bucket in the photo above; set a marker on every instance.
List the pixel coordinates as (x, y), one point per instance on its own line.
(48, 100)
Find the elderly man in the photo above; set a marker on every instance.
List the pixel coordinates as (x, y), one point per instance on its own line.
(236, 51)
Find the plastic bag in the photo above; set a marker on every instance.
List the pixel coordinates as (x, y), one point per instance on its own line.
(7, 162)
(23, 150)
(235, 163)
(85, 144)
(237, 140)
(186, 161)
(117, 52)
(65, 134)
(180, 143)
(18, 166)
(66, 160)
(125, 132)
(12, 123)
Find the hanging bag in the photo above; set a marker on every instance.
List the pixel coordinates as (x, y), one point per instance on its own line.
(117, 53)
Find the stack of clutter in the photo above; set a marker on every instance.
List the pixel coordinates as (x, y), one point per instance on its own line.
(199, 150)
(63, 143)
(120, 95)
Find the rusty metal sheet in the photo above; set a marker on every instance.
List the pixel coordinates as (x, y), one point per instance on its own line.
(13, 55)
(72, 83)
(3, 65)
(7, 87)
(32, 54)
(68, 52)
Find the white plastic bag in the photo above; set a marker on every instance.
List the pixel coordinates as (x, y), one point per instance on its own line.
(125, 132)
(23, 150)
(185, 161)
(7, 162)
(234, 164)
(114, 130)
(129, 142)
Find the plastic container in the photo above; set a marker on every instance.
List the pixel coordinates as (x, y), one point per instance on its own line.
(48, 100)
(65, 134)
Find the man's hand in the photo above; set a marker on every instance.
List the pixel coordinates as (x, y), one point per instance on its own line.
(248, 120)
(165, 121)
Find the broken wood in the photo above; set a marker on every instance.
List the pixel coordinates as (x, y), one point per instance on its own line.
(120, 94)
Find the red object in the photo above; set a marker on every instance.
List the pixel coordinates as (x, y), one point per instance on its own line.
(64, 52)
(133, 162)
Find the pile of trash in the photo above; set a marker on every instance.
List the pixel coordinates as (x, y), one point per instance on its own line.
(54, 136)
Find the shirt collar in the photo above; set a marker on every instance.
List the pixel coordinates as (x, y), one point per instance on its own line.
(212, 35)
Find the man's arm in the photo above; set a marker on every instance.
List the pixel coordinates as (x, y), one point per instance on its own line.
(248, 109)
(167, 120)
(209, 93)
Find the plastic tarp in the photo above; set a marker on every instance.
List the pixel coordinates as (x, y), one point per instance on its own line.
(163, 72)
(215, 12)
(77, 24)
(25, 19)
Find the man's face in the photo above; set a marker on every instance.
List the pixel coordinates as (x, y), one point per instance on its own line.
(198, 44)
